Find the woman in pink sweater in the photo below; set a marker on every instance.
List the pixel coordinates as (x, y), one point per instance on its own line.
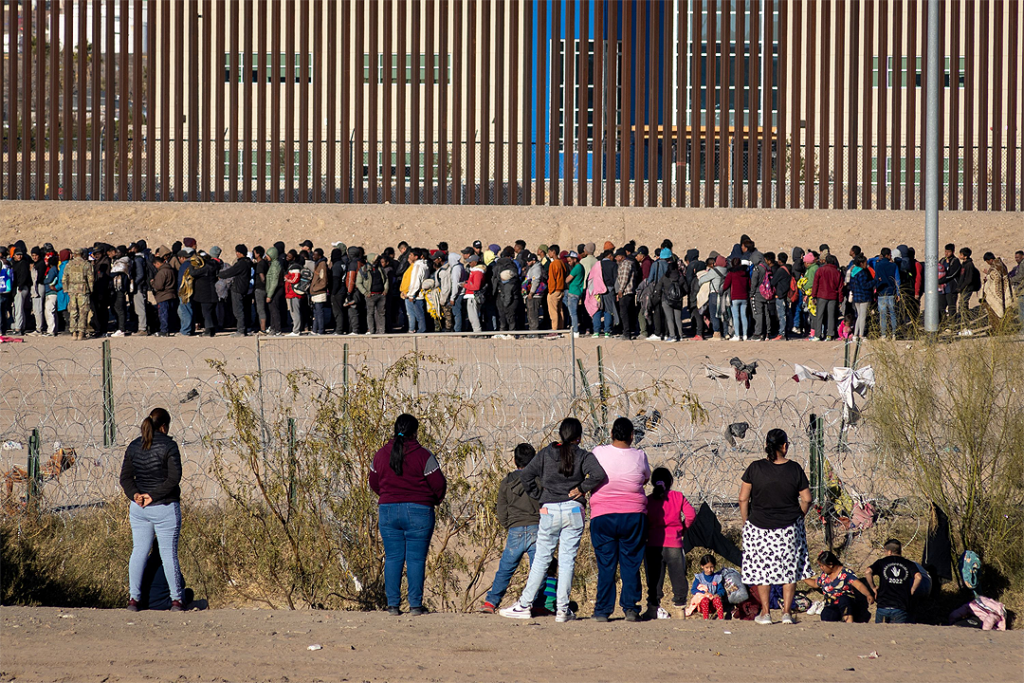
(618, 521)
(669, 515)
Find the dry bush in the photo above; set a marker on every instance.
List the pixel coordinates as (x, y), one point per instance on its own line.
(949, 425)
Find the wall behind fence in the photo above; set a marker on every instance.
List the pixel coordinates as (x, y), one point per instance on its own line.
(697, 103)
(523, 389)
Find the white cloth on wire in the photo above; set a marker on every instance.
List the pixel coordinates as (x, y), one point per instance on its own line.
(803, 373)
(850, 381)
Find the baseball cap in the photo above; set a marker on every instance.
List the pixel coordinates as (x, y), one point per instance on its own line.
(478, 244)
(467, 251)
(307, 243)
(573, 254)
(473, 259)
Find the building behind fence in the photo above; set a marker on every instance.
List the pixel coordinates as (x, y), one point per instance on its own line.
(67, 413)
(685, 103)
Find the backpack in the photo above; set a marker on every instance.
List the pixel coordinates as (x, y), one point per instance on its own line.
(672, 292)
(794, 291)
(6, 279)
(765, 289)
(120, 282)
(970, 564)
(305, 280)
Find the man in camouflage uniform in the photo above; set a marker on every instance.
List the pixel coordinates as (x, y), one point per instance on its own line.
(77, 284)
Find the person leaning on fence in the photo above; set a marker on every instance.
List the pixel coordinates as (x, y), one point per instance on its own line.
(410, 484)
(774, 497)
(151, 478)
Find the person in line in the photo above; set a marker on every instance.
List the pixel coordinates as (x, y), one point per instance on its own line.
(846, 596)
(669, 515)
(409, 483)
(151, 479)
(559, 477)
(240, 275)
(827, 291)
(618, 521)
(710, 585)
(773, 500)
(737, 284)
(518, 512)
(77, 282)
(898, 580)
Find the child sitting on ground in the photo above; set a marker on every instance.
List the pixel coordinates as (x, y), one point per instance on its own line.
(710, 587)
(520, 514)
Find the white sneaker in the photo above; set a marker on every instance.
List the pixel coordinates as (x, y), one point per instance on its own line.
(765, 619)
(576, 335)
(654, 337)
(564, 615)
(744, 339)
(117, 333)
(517, 611)
(735, 338)
(663, 613)
(293, 334)
(816, 607)
(786, 619)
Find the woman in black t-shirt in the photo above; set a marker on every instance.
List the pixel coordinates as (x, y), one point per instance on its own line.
(774, 497)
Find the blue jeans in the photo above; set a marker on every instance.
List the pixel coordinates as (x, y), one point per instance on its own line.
(185, 316)
(561, 525)
(780, 313)
(604, 316)
(163, 311)
(457, 313)
(164, 523)
(319, 317)
(572, 302)
(886, 312)
(405, 529)
(416, 309)
(891, 615)
(522, 540)
(619, 540)
(716, 324)
(739, 318)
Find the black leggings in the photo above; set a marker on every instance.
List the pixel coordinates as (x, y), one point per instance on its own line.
(274, 309)
(847, 604)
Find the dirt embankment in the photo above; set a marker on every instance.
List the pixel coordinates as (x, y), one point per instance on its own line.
(50, 644)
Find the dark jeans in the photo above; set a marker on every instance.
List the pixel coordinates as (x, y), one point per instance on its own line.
(209, 317)
(405, 529)
(120, 310)
(238, 310)
(618, 541)
(656, 562)
(319, 317)
(338, 311)
(506, 315)
(891, 615)
(522, 540)
(948, 303)
(274, 309)
(163, 311)
(626, 316)
(354, 311)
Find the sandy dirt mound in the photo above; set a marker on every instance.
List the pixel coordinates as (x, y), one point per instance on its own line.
(50, 644)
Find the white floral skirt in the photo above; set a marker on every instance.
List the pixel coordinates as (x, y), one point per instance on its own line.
(775, 556)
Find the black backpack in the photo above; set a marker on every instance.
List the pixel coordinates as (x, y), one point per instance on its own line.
(671, 292)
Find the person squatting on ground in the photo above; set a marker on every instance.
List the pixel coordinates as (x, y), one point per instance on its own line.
(151, 478)
(710, 587)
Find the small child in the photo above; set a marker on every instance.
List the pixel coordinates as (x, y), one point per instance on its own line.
(669, 514)
(846, 326)
(711, 585)
(520, 514)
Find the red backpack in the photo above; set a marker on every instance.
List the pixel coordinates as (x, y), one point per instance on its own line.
(794, 292)
(765, 289)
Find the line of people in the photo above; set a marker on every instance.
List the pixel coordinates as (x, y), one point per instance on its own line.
(634, 292)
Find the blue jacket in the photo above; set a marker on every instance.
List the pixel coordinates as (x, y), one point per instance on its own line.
(887, 278)
(714, 583)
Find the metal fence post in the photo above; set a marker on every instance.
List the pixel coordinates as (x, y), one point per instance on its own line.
(109, 429)
(293, 491)
(259, 382)
(572, 364)
(32, 487)
(603, 389)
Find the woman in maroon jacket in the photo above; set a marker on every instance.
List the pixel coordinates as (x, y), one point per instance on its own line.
(409, 482)
(828, 290)
(737, 283)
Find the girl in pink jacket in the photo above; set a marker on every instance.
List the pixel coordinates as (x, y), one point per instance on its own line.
(669, 514)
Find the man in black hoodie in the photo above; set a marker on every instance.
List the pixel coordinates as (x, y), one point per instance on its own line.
(968, 283)
(240, 275)
(947, 301)
(694, 266)
(21, 286)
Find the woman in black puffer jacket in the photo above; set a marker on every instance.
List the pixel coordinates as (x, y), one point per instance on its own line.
(151, 477)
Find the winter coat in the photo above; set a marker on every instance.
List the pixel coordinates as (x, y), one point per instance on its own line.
(319, 283)
(165, 283)
(240, 274)
(78, 277)
(828, 283)
(515, 506)
(952, 277)
(737, 283)
(156, 471)
(274, 272)
(204, 287)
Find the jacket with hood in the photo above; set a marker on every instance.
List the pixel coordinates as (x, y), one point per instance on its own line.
(364, 282)
(274, 272)
(758, 268)
(780, 280)
(515, 506)
(320, 281)
(416, 278)
(165, 283)
(543, 479)
(952, 277)
(204, 289)
(970, 278)
(796, 265)
(459, 275)
(693, 268)
(887, 278)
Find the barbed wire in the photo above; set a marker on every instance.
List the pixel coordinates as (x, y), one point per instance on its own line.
(523, 388)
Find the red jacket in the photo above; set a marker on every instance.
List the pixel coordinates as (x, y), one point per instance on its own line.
(828, 283)
(738, 284)
(291, 278)
(421, 480)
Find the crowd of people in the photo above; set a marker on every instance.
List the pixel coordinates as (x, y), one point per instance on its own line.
(632, 291)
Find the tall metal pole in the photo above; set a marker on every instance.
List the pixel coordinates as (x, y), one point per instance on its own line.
(931, 175)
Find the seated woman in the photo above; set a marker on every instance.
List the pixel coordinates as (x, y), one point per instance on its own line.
(846, 596)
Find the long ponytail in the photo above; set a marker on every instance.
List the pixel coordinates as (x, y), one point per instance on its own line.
(157, 419)
(661, 479)
(773, 443)
(406, 427)
(570, 433)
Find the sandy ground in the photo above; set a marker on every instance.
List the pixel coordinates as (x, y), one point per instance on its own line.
(49, 644)
(378, 225)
